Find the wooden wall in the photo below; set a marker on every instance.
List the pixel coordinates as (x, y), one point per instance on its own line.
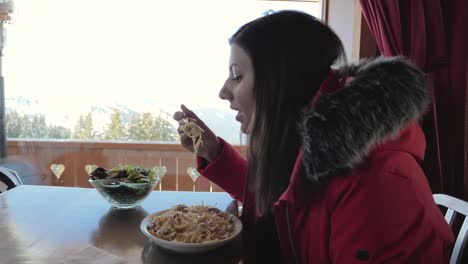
(38, 156)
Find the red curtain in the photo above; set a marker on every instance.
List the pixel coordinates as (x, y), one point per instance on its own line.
(433, 35)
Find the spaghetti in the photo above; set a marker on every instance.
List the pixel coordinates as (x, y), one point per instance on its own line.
(192, 224)
(194, 131)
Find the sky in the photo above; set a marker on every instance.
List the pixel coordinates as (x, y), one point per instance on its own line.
(75, 53)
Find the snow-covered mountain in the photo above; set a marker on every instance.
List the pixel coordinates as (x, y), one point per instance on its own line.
(221, 121)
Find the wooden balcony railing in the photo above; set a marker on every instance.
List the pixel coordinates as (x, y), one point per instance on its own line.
(35, 157)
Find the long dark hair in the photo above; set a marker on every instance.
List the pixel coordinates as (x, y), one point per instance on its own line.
(291, 54)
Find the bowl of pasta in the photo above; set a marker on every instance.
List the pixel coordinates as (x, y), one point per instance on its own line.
(191, 229)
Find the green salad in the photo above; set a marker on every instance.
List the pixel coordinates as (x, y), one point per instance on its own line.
(125, 173)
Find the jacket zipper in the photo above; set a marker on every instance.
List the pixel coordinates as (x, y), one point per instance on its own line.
(291, 240)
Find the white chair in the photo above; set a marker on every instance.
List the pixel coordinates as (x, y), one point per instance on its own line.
(455, 206)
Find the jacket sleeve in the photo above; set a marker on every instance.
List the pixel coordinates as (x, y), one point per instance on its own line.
(386, 222)
(228, 170)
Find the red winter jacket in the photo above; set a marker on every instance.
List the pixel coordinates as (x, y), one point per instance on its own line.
(357, 193)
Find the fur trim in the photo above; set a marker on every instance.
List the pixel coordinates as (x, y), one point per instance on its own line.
(386, 94)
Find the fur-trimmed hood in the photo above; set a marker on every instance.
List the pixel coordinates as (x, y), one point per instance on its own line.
(385, 95)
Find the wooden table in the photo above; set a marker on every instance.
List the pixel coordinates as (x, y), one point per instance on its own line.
(58, 217)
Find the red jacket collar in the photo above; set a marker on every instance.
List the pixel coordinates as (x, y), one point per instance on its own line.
(410, 139)
(299, 187)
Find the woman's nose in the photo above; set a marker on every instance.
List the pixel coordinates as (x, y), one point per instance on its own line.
(224, 92)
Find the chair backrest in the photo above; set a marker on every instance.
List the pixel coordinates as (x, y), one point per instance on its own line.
(455, 206)
(9, 178)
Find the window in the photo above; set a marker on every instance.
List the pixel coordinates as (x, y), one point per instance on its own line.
(117, 70)
(80, 75)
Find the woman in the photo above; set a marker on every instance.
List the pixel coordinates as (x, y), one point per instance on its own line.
(332, 173)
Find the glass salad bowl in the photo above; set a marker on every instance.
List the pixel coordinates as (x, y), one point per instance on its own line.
(125, 186)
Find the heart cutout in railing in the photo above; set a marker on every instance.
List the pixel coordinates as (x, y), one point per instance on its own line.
(193, 173)
(161, 171)
(90, 168)
(57, 169)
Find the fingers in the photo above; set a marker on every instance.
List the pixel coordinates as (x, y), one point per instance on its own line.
(178, 115)
(180, 130)
(188, 113)
(185, 114)
(233, 208)
(182, 123)
(181, 118)
(191, 116)
(185, 140)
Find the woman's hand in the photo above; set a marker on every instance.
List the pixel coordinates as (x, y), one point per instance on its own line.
(233, 208)
(210, 147)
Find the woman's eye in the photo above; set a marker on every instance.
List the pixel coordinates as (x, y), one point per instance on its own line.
(235, 74)
(236, 77)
